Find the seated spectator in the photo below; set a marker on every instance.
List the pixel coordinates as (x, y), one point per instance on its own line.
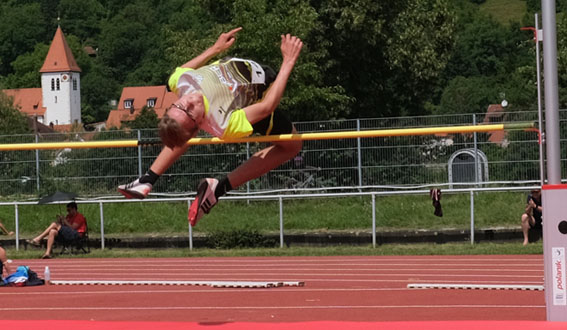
(532, 217)
(4, 263)
(66, 229)
(5, 231)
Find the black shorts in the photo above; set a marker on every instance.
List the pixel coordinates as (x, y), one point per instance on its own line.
(67, 234)
(537, 223)
(275, 124)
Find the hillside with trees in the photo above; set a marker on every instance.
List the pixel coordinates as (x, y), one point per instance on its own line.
(362, 58)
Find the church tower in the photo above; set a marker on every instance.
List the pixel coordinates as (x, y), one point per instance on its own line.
(61, 84)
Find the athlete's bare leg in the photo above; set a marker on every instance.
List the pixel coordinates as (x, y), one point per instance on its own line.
(264, 161)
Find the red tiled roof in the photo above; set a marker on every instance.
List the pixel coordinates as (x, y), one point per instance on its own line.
(59, 58)
(140, 96)
(34, 125)
(29, 100)
(64, 127)
(495, 114)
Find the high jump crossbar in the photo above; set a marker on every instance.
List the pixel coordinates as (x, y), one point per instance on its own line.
(279, 138)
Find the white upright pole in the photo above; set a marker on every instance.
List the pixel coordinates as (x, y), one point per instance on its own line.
(554, 193)
(538, 38)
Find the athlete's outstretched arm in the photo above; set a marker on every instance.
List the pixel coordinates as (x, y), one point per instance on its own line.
(223, 43)
(290, 48)
(166, 158)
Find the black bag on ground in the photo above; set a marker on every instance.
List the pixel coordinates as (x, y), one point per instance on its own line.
(33, 280)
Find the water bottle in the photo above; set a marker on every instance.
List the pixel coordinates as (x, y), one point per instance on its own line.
(47, 275)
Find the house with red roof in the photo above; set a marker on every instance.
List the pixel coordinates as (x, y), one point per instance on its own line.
(58, 102)
(133, 99)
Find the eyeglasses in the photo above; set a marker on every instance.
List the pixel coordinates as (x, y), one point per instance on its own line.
(185, 110)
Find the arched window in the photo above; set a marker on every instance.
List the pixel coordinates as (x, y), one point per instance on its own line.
(58, 84)
(52, 84)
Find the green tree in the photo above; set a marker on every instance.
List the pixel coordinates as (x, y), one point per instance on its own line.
(534, 6)
(469, 95)
(368, 42)
(562, 58)
(26, 68)
(82, 18)
(98, 87)
(481, 46)
(50, 16)
(307, 96)
(21, 28)
(126, 37)
(13, 121)
(489, 61)
(14, 165)
(147, 118)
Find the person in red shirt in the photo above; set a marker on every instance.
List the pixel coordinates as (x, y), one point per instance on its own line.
(67, 228)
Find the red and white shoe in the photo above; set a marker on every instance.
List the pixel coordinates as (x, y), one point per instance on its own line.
(135, 189)
(204, 201)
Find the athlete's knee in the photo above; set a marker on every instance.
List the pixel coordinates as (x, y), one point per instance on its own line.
(293, 147)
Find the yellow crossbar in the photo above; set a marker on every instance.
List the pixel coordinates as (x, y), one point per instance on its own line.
(279, 138)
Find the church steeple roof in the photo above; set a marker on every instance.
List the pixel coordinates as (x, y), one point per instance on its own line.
(59, 58)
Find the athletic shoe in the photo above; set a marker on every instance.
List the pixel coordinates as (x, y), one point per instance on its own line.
(135, 189)
(204, 201)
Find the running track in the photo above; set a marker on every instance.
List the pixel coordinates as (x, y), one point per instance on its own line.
(356, 290)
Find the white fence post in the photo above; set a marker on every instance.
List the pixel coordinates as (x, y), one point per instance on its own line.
(281, 222)
(359, 154)
(140, 173)
(190, 228)
(37, 163)
(101, 225)
(472, 217)
(373, 220)
(17, 223)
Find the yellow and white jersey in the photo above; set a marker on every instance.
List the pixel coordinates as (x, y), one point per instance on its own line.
(227, 86)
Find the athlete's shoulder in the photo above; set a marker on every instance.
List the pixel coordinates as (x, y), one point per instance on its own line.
(174, 78)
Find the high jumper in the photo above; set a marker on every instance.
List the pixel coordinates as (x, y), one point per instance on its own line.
(229, 98)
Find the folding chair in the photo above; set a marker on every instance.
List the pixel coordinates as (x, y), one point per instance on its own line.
(81, 243)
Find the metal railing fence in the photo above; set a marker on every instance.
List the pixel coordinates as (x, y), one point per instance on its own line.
(373, 221)
(377, 164)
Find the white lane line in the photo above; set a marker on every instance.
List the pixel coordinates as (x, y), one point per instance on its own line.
(177, 291)
(257, 268)
(69, 308)
(349, 259)
(192, 263)
(405, 281)
(474, 286)
(215, 284)
(216, 275)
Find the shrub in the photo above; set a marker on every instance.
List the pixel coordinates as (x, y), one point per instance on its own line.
(240, 238)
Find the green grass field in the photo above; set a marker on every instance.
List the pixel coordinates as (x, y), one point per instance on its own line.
(505, 11)
(383, 250)
(494, 209)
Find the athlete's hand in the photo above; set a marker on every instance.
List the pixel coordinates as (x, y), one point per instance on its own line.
(226, 40)
(290, 47)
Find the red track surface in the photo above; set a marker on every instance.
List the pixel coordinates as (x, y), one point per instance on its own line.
(345, 289)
